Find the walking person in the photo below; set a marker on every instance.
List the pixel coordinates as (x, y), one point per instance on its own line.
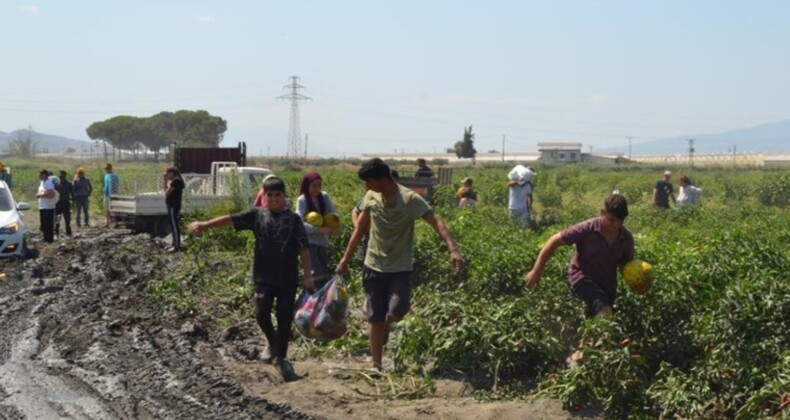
(356, 214)
(82, 192)
(110, 187)
(47, 200)
(388, 213)
(63, 206)
(280, 241)
(174, 191)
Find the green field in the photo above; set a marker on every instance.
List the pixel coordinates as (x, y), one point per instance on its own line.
(710, 339)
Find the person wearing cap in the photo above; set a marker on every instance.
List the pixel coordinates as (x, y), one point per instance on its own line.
(82, 193)
(662, 191)
(602, 244)
(47, 200)
(110, 187)
(468, 198)
(466, 188)
(63, 207)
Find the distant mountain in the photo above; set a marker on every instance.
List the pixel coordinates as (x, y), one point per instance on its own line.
(45, 142)
(766, 138)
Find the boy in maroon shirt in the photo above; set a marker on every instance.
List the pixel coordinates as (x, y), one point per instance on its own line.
(602, 244)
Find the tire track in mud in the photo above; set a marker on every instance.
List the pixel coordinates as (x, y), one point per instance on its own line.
(80, 340)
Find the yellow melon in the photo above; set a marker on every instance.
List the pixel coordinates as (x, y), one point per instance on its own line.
(332, 220)
(314, 218)
(638, 275)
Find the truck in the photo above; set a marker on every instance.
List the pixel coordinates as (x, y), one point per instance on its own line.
(140, 203)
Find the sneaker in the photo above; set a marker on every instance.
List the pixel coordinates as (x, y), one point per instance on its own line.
(267, 355)
(285, 369)
(172, 249)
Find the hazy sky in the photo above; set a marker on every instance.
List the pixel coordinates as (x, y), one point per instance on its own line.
(405, 75)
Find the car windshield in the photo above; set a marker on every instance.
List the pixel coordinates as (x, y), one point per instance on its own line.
(5, 200)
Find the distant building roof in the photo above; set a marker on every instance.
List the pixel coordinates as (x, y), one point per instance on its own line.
(452, 158)
(559, 146)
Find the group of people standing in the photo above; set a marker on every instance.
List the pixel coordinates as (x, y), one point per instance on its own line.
(56, 195)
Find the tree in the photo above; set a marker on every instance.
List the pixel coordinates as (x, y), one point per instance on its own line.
(466, 147)
(188, 128)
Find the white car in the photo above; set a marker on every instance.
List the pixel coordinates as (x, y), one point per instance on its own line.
(12, 228)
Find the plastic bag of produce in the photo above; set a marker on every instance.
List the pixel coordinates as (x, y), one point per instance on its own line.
(323, 315)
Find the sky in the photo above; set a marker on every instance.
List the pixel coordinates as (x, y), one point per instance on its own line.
(403, 76)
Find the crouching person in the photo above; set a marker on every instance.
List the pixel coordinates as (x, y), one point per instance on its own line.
(280, 240)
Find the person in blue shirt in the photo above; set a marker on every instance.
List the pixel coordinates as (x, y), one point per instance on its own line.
(111, 182)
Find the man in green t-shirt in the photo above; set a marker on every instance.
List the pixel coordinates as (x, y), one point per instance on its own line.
(389, 210)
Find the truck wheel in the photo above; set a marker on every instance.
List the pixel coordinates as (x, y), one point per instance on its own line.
(162, 227)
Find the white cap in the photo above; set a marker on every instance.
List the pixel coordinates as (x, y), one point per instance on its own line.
(667, 173)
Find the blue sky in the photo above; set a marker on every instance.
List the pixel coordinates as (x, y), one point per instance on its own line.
(406, 75)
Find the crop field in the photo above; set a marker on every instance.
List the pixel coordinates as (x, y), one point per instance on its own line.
(710, 339)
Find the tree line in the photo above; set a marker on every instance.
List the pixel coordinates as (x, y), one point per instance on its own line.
(136, 134)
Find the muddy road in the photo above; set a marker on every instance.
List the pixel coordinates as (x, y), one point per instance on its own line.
(79, 339)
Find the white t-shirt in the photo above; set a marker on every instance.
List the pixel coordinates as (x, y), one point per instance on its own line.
(688, 195)
(45, 203)
(517, 199)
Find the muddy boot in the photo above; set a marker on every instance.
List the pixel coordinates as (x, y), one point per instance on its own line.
(285, 369)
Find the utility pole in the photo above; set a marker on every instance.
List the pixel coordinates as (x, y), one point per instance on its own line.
(629, 145)
(305, 146)
(503, 147)
(294, 130)
(691, 153)
(734, 156)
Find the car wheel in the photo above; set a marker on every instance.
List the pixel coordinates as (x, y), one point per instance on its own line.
(22, 250)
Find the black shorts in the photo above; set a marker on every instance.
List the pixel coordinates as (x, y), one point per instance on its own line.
(595, 296)
(386, 293)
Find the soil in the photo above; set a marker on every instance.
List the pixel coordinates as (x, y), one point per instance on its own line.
(80, 339)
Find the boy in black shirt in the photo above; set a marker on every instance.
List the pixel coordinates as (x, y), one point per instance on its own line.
(280, 238)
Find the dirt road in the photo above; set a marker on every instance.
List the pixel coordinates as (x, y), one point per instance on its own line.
(79, 339)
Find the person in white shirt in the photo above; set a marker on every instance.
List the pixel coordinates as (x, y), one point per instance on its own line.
(688, 193)
(47, 199)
